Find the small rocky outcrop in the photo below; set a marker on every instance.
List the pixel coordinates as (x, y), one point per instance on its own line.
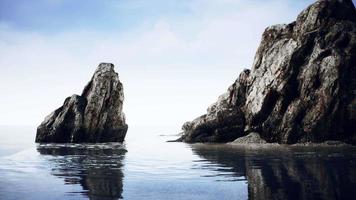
(301, 88)
(94, 116)
(252, 138)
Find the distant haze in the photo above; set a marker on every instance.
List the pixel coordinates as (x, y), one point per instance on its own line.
(174, 57)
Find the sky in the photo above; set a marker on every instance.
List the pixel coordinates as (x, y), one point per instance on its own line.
(174, 58)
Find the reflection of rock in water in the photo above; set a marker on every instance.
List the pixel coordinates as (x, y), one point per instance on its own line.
(287, 173)
(97, 168)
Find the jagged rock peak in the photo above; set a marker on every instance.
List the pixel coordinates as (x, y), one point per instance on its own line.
(301, 87)
(95, 116)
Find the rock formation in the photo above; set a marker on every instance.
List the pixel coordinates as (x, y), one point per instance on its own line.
(95, 116)
(301, 88)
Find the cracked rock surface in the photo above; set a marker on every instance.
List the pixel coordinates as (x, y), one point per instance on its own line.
(301, 87)
(95, 116)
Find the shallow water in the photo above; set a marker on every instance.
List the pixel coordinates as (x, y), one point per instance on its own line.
(147, 167)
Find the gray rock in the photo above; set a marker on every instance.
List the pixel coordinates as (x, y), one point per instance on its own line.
(302, 86)
(252, 138)
(95, 116)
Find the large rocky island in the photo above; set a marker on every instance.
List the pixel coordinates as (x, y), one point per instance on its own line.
(94, 116)
(301, 88)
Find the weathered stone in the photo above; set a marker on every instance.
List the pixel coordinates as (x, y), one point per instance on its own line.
(95, 116)
(302, 86)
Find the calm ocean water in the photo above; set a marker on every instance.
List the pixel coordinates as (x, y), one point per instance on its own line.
(147, 167)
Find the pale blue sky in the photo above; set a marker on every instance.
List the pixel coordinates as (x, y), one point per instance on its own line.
(55, 16)
(174, 57)
(109, 15)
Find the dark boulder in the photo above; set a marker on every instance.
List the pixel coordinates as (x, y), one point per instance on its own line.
(95, 116)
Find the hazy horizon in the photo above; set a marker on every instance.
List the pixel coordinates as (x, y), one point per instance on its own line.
(174, 58)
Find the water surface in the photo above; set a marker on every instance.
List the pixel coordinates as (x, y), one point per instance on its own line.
(146, 167)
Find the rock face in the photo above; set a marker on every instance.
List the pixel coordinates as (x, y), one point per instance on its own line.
(301, 88)
(95, 116)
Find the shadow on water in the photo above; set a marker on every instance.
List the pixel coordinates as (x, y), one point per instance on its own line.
(287, 172)
(97, 168)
